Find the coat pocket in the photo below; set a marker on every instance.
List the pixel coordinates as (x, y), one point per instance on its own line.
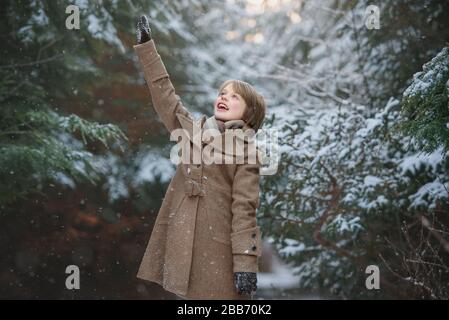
(219, 216)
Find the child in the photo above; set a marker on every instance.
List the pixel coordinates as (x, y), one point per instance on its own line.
(205, 243)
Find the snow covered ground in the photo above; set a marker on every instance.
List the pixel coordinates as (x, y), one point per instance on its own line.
(279, 282)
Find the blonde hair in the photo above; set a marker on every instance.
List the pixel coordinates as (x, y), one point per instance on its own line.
(255, 103)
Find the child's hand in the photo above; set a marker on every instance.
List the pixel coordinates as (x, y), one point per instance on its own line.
(245, 282)
(143, 30)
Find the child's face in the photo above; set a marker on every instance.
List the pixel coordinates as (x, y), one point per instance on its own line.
(229, 105)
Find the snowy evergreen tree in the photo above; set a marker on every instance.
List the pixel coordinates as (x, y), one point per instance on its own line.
(40, 144)
(352, 191)
(426, 104)
(411, 33)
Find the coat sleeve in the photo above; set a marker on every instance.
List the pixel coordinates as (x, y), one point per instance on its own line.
(165, 101)
(245, 236)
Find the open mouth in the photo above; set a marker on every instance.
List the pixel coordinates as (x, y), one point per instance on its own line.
(222, 106)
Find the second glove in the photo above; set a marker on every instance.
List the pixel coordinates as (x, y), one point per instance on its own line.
(245, 282)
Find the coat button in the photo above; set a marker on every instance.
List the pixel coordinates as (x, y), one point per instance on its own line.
(254, 248)
(253, 235)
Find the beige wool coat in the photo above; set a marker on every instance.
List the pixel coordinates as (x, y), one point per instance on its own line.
(206, 228)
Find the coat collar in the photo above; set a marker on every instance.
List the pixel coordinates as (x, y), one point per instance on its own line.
(213, 123)
(203, 123)
(187, 123)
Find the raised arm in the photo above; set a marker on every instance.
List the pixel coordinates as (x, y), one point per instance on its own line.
(165, 101)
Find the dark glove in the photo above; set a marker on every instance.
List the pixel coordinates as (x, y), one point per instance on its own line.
(143, 30)
(245, 282)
